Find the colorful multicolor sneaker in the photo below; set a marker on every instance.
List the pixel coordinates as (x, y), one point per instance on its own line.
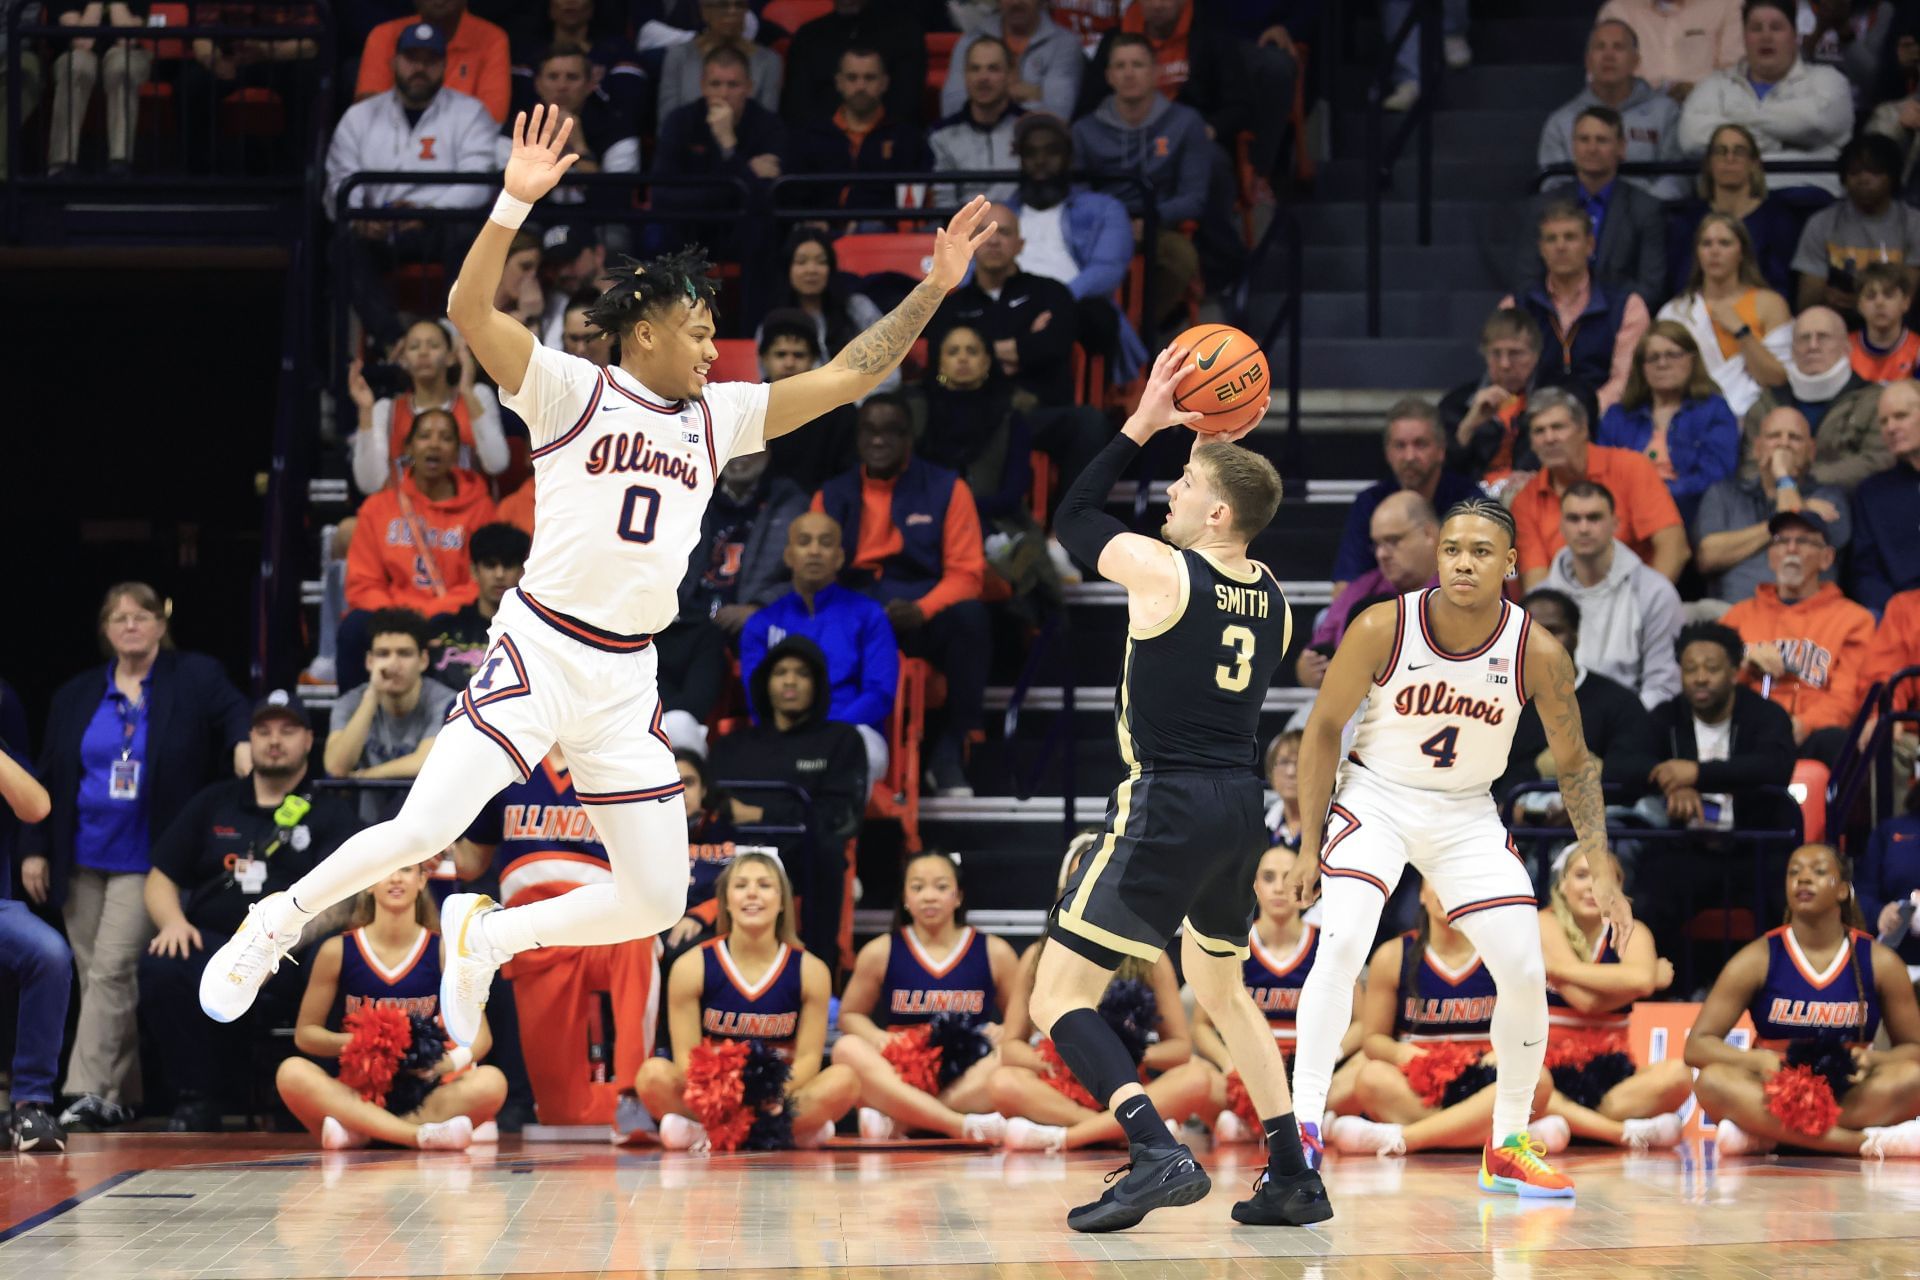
(1518, 1167)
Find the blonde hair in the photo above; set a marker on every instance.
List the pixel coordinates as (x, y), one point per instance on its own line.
(1563, 910)
(1245, 481)
(1700, 383)
(1749, 273)
(783, 929)
(146, 598)
(426, 912)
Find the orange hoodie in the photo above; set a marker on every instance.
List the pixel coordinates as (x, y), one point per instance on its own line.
(384, 570)
(1896, 646)
(1823, 640)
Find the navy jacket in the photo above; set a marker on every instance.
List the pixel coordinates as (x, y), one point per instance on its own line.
(921, 495)
(892, 147)
(1584, 356)
(1889, 872)
(196, 718)
(1886, 554)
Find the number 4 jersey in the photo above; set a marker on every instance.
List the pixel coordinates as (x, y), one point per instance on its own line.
(1191, 690)
(622, 480)
(1441, 721)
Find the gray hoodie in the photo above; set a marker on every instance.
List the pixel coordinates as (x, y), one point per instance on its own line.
(1653, 133)
(1627, 623)
(1171, 147)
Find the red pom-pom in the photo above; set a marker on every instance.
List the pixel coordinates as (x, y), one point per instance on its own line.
(728, 1132)
(1802, 1100)
(915, 1061)
(1439, 1065)
(714, 1091)
(1577, 1046)
(1241, 1103)
(378, 1036)
(1062, 1080)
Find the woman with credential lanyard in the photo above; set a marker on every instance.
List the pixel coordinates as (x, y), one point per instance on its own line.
(126, 747)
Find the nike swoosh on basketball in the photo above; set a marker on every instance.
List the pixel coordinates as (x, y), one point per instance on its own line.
(1205, 363)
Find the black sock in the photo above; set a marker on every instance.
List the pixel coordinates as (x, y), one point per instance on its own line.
(1284, 1157)
(1138, 1116)
(1094, 1053)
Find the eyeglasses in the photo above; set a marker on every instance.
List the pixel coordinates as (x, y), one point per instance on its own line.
(140, 619)
(1664, 357)
(1791, 541)
(1730, 153)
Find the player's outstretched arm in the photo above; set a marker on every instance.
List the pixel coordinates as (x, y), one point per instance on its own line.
(1364, 650)
(866, 361)
(501, 344)
(1551, 681)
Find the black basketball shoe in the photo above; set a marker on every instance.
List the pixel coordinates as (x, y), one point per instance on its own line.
(1296, 1201)
(1156, 1178)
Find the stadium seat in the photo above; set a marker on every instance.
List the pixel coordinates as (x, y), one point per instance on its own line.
(1042, 489)
(794, 14)
(253, 113)
(940, 46)
(897, 796)
(739, 361)
(870, 253)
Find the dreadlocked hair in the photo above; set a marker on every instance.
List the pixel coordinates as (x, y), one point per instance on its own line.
(1486, 509)
(647, 288)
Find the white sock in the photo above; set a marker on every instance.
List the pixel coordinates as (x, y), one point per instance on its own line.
(1508, 940)
(1347, 920)
(506, 932)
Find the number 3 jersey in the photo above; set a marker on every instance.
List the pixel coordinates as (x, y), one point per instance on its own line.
(1441, 721)
(622, 480)
(1191, 690)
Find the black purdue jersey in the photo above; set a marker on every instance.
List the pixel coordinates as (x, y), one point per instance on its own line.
(1191, 690)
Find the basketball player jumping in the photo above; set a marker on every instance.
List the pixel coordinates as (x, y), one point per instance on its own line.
(1443, 674)
(1206, 627)
(625, 459)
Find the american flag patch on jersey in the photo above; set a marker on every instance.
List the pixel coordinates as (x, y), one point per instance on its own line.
(1498, 664)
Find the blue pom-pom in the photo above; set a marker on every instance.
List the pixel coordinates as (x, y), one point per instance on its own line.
(772, 1130)
(1829, 1058)
(1467, 1083)
(428, 1046)
(959, 1042)
(1130, 1009)
(764, 1075)
(1586, 1085)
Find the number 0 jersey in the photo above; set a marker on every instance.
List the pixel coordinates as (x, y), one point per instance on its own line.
(1191, 690)
(1441, 721)
(622, 480)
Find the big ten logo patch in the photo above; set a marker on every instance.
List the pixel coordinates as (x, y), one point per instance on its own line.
(1658, 1031)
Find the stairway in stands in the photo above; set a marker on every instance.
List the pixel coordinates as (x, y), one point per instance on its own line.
(1527, 61)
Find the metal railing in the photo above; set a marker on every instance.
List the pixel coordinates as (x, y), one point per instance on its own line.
(1382, 152)
(1870, 762)
(21, 32)
(1685, 168)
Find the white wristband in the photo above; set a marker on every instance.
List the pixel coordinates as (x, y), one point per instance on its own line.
(510, 212)
(460, 1056)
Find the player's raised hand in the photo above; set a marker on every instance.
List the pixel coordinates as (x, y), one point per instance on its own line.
(953, 244)
(1155, 412)
(539, 153)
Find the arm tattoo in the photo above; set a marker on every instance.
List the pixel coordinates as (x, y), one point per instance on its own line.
(1580, 787)
(886, 342)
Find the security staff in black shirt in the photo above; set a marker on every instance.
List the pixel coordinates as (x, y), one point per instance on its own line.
(235, 842)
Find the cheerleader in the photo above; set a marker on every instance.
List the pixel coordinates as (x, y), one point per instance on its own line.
(1591, 987)
(1817, 988)
(933, 965)
(389, 957)
(1029, 1087)
(1428, 1079)
(1281, 949)
(752, 982)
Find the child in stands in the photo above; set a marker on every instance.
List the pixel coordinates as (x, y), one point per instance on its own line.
(1885, 350)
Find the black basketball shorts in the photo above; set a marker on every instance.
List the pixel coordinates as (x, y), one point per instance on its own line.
(1181, 846)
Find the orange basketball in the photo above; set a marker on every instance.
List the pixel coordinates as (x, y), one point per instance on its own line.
(1230, 381)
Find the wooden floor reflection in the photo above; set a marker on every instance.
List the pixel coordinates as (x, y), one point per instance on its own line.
(157, 1207)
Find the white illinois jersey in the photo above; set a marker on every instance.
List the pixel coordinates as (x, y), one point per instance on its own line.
(622, 481)
(1441, 721)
